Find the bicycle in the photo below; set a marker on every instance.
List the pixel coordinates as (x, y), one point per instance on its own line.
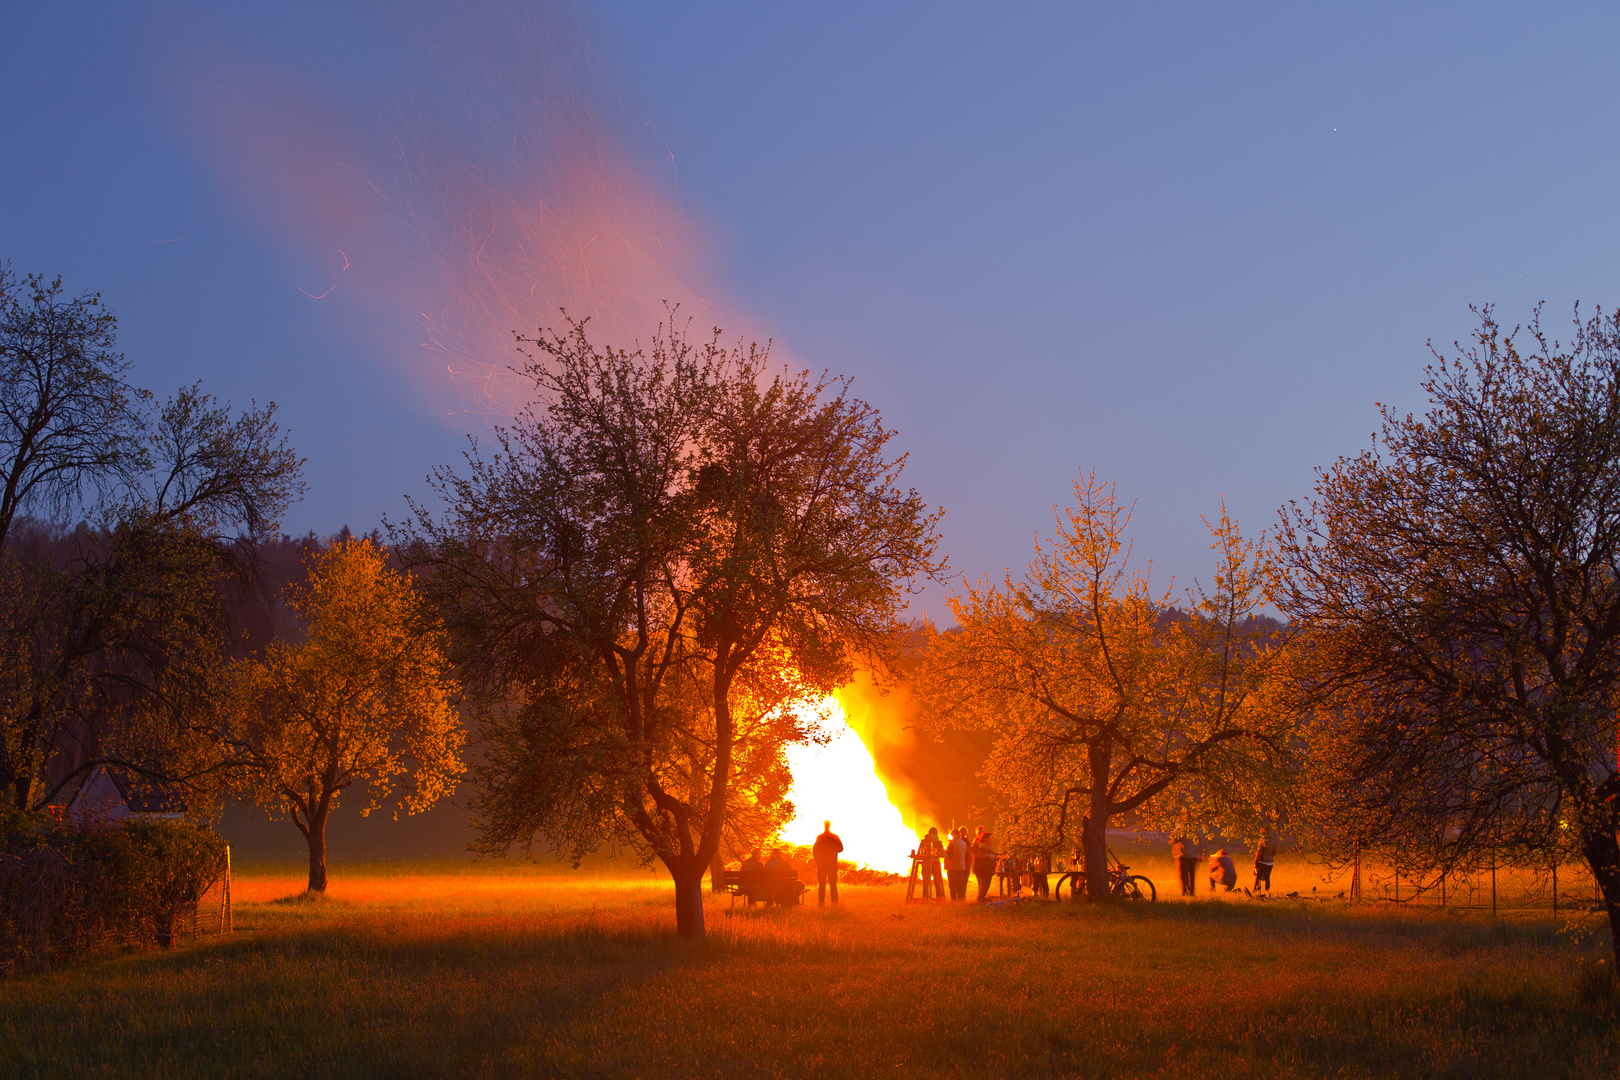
(1122, 885)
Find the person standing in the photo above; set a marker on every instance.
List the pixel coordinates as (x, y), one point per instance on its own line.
(1265, 855)
(929, 852)
(1186, 860)
(1222, 871)
(826, 850)
(984, 862)
(956, 864)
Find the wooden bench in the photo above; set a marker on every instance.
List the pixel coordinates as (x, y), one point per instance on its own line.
(765, 887)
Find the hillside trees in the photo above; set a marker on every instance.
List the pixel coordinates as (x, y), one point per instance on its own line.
(1460, 587)
(1103, 699)
(113, 632)
(668, 550)
(366, 696)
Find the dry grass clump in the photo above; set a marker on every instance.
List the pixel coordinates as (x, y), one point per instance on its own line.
(512, 975)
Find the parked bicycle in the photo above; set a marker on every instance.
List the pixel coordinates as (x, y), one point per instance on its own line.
(1122, 884)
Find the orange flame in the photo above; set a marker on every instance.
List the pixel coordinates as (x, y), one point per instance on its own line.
(877, 812)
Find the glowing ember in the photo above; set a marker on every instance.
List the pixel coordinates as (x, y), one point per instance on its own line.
(839, 781)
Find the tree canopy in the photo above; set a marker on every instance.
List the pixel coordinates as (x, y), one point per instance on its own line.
(1105, 699)
(70, 423)
(365, 697)
(1459, 585)
(669, 550)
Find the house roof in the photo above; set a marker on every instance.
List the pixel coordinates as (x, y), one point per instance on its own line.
(141, 794)
(145, 795)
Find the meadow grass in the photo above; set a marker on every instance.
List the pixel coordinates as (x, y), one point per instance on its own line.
(411, 972)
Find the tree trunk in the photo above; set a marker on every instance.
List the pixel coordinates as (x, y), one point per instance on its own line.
(717, 874)
(316, 835)
(1603, 855)
(1095, 845)
(688, 898)
(1095, 839)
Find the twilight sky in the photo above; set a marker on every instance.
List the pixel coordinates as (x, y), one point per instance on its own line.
(1186, 247)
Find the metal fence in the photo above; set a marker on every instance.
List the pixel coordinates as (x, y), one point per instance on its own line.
(1551, 890)
(211, 916)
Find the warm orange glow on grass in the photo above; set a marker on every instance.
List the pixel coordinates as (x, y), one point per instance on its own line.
(840, 781)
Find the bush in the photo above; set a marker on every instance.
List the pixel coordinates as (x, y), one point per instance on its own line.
(67, 891)
(174, 863)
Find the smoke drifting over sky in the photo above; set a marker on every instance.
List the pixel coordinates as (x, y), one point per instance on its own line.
(466, 169)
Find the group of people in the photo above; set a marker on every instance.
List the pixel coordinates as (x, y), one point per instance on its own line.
(774, 879)
(1222, 870)
(777, 881)
(960, 857)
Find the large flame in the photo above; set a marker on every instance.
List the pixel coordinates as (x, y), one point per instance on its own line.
(840, 781)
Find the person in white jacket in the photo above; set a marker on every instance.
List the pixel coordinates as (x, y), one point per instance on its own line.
(956, 864)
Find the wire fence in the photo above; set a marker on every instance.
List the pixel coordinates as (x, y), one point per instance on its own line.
(1568, 889)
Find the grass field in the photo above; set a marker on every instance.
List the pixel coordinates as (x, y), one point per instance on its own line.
(419, 972)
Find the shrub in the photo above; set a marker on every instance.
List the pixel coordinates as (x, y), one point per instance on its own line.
(67, 891)
(173, 864)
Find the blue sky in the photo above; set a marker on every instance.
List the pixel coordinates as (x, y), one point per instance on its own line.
(1186, 247)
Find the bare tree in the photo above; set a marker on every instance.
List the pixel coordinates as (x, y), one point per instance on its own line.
(1459, 583)
(112, 632)
(68, 418)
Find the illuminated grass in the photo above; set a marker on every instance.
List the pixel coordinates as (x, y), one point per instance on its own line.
(512, 974)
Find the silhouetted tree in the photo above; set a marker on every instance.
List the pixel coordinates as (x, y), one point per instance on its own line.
(1460, 586)
(112, 633)
(69, 421)
(668, 551)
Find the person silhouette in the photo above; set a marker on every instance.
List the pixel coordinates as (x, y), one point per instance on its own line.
(826, 851)
(930, 851)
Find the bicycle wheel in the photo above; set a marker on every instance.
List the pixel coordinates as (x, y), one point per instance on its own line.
(1138, 888)
(1065, 888)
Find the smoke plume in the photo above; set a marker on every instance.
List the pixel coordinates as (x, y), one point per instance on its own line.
(455, 173)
